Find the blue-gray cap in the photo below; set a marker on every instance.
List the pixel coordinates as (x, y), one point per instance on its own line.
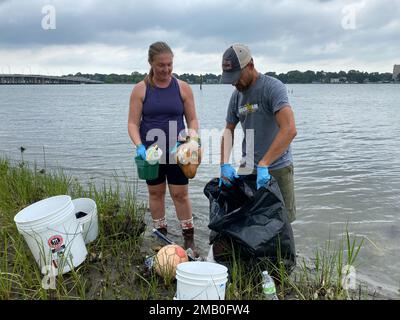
(235, 58)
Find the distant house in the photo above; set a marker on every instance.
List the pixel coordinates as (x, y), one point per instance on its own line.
(396, 72)
(338, 80)
(212, 81)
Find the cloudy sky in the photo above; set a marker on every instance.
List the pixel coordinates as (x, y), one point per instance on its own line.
(89, 36)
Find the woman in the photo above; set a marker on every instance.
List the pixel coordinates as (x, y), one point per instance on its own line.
(156, 110)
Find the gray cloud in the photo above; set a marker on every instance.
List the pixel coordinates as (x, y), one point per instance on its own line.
(303, 32)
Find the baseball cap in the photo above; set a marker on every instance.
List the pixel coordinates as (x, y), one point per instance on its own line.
(235, 58)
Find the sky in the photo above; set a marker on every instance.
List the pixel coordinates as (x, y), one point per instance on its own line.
(102, 36)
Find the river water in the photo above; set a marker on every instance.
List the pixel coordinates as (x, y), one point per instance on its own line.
(346, 153)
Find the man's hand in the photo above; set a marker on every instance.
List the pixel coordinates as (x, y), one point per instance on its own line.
(141, 151)
(227, 175)
(263, 176)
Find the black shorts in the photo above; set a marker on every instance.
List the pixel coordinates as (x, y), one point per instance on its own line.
(172, 173)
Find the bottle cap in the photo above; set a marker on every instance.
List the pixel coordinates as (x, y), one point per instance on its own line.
(265, 274)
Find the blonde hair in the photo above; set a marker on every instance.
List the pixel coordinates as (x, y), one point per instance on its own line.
(155, 49)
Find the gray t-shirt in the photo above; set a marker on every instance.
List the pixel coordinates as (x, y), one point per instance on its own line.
(255, 109)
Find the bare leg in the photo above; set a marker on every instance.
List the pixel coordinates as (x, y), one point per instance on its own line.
(180, 197)
(157, 205)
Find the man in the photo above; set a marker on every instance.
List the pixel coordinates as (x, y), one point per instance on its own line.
(261, 105)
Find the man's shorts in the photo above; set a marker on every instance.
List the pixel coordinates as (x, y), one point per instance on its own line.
(170, 172)
(284, 177)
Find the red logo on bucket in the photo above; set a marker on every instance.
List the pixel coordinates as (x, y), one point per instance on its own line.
(55, 242)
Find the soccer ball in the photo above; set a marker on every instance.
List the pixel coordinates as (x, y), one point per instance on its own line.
(167, 259)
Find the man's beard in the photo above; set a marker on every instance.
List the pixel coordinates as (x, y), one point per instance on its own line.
(242, 88)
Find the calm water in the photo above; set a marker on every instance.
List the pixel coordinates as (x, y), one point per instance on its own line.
(347, 156)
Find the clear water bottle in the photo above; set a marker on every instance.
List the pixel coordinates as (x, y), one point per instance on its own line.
(269, 287)
(153, 154)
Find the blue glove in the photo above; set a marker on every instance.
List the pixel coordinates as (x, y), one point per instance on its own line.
(263, 176)
(141, 151)
(228, 173)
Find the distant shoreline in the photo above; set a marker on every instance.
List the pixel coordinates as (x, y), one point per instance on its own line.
(290, 77)
(194, 84)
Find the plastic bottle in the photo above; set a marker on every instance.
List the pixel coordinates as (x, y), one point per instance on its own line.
(153, 154)
(149, 262)
(269, 287)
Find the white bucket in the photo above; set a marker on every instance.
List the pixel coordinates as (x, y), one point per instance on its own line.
(200, 280)
(89, 221)
(53, 234)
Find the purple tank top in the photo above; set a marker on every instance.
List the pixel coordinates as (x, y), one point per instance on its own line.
(162, 117)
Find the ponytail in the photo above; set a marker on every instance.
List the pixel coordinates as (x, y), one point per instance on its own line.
(149, 78)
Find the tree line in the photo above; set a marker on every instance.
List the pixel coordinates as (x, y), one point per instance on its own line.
(352, 76)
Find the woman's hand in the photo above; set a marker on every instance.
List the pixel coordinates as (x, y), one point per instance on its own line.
(141, 151)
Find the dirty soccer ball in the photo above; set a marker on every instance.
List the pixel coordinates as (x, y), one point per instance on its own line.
(167, 259)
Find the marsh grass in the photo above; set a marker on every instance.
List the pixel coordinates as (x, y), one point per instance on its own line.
(320, 278)
(110, 269)
(323, 277)
(114, 269)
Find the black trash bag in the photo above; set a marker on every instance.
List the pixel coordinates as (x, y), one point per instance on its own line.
(255, 221)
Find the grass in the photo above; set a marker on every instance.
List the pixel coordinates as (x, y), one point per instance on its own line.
(114, 266)
(324, 278)
(320, 278)
(110, 268)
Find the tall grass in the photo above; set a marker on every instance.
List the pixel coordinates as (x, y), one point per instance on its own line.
(113, 268)
(320, 278)
(326, 279)
(110, 268)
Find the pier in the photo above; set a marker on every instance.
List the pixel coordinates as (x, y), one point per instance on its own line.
(40, 79)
